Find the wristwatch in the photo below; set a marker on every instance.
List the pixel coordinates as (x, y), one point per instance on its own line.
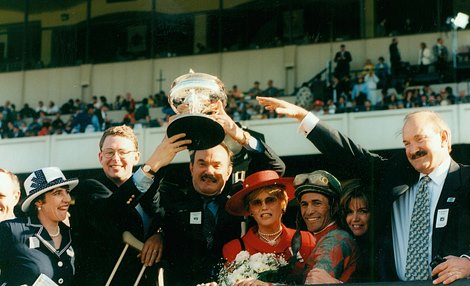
(147, 169)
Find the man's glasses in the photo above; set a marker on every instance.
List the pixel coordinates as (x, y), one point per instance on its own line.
(109, 153)
(269, 201)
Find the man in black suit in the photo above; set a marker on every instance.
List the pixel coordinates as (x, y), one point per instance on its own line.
(395, 58)
(119, 200)
(195, 222)
(427, 140)
(342, 60)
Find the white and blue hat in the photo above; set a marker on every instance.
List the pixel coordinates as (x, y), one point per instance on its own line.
(42, 181)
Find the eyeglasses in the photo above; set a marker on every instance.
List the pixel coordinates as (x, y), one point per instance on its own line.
(109, 153)
(269, 201)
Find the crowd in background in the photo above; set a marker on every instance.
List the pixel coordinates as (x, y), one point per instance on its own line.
(379, 86)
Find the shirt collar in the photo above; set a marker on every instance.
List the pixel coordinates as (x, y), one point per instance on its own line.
(440, 173)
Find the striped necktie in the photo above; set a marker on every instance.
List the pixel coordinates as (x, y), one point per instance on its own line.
(417, 264)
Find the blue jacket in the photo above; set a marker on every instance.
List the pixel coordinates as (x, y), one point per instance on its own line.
(26, 251)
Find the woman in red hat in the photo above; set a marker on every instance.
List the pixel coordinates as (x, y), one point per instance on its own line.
(264, 197)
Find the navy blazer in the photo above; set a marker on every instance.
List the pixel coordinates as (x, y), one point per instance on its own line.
(389, 178)
(102, 212)
(27, 250)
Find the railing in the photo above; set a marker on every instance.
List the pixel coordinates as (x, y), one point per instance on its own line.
(377, 130)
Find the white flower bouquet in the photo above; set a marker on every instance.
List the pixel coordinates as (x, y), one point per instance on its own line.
(261, 266)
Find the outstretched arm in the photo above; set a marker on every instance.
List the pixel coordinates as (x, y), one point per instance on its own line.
(283, 107)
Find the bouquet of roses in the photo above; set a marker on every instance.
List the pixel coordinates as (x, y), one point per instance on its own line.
(261, 266)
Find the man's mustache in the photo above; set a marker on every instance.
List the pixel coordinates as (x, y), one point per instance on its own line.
(418, 154)
(209, 177)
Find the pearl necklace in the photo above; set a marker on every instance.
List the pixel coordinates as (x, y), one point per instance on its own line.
(55, 234)
(267, 237)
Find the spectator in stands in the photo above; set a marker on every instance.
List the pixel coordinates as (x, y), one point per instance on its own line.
(425, 167)
(463, 97)
(425, 58)
(345, 87)
(318, 194)
(236, 93)
(372, 81)
(447, 96)
(117, 105)
(68, 107)
(86, 120)
(27, 111)
(41, 107)
(95, 102)
(161, 99)
(360, 91)
(333, 91)
(271, 90)
(441, 55)
(102, 115)
(408, 27)
(382, 71)
(9, 113)
(330, 107)
(128, 102)
(395, 58)
(410, 98)
(318, 107)
(46, 128)
(342, 60)
(392, 101)
(33, 127)
(368, 67)
(129, 117)
(9, 194)
(7, 131)
(381, 28)
(304, 97)
(342, 105)
(57, 124)
(254, 91)
(428, 91)
(79, 105)
(39, 243)
(52, 108)
(142, 112)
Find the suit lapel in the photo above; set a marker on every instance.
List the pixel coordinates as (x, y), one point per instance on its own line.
(447, 201)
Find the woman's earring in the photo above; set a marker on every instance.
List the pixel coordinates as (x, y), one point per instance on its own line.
(39, 208)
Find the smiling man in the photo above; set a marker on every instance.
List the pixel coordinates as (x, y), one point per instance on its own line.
(117, 201)
(423, 182)
(195, 222)
(318, 194)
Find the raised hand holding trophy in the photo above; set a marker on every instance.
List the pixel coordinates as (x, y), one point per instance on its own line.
(194, 97)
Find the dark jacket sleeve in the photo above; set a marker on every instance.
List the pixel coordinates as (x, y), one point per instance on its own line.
(266, 160)
(341, 149)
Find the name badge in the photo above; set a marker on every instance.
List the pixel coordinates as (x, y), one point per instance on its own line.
(33, 242)
(195, 218)
(442, 218)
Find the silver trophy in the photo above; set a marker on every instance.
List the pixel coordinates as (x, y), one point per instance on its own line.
(193, 97)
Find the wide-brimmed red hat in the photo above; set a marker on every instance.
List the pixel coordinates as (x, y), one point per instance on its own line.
(235, 205)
